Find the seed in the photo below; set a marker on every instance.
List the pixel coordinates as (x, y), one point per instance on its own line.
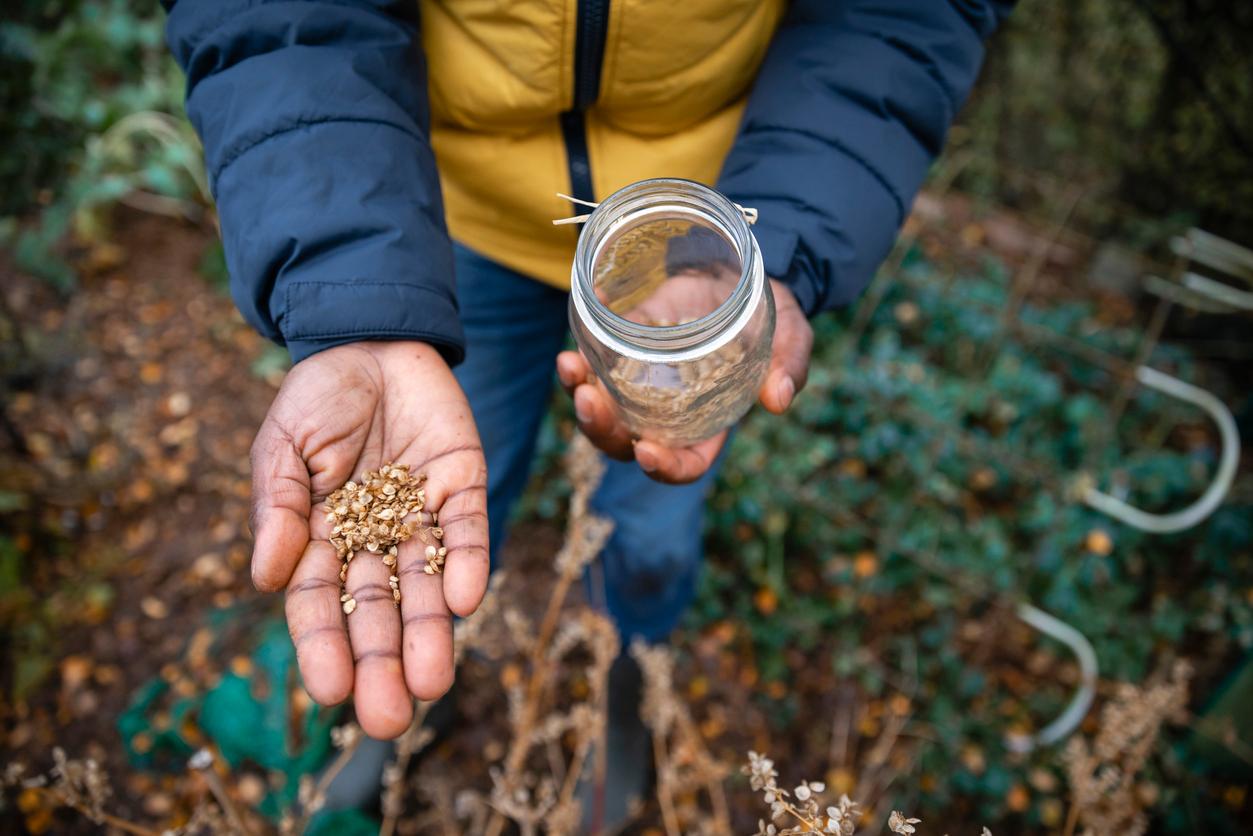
(349, 606)
(343, 599)
(367, 516)
(443, 551)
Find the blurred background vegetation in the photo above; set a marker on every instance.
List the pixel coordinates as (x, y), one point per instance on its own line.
(866, 553)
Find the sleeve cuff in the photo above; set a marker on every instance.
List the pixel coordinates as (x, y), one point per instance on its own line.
(778, 252)
(383, 311)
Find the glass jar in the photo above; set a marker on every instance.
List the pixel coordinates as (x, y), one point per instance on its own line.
(670, 305)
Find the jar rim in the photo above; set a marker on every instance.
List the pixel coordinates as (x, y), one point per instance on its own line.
(692, 196)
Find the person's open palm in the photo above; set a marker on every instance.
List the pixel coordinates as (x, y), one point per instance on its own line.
(339, 413)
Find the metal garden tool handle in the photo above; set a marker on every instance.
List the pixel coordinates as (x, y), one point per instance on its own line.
(1077, 708)
(1204, 506)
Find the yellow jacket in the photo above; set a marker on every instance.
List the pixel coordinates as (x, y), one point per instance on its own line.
(673, 81)
(327, 141)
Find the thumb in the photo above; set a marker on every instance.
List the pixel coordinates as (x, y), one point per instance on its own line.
(790, 351)
(280, 507)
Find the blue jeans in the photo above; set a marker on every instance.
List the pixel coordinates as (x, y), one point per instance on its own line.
(514, 327)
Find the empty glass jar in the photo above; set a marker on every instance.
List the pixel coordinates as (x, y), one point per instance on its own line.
(670, 304)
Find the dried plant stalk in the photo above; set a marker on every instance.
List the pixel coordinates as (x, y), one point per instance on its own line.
(683, 763)
(466, 635)
(83, 786)
(1103, 774)
(586, 535)
(203, 761)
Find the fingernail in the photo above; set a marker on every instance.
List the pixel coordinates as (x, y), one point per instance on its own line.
(581, 410)
(647, 461)
(786, 391)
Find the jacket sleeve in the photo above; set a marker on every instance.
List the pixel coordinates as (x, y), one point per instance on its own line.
(851, 106)
(315, 125)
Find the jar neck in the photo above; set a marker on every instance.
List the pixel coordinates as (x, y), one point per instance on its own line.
(670, 195)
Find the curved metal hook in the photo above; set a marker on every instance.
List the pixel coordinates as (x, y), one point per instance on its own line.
(1223, 294)
(1205, 505)
(1077, 708)
(1180, 294)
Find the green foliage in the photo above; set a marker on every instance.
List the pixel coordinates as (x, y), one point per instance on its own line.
(946, 451)
(1145, 104)
(88, 139)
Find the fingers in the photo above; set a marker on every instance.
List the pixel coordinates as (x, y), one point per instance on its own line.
(600, 423)
(384, 707)
(463, 517)
(315, 619)
(790, 351)
(678, 466)
(456, 490)
(427, 624)
(280, 507)
(572, 370)
(592, 407)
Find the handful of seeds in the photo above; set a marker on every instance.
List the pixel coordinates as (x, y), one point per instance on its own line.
(371, 516)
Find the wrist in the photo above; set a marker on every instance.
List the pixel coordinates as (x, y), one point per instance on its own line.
(383, 350)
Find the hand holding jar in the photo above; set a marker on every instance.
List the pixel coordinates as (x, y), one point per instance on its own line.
(678, 329)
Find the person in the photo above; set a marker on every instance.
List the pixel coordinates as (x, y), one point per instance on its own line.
(386, 177)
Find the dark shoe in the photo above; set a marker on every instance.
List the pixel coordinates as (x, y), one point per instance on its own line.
(608, 805)
(358, 785)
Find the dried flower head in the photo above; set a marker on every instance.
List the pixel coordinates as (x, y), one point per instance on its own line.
(803, 803)
(842, 818)
(897, 823)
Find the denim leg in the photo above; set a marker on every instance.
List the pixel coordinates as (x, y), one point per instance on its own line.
(514, 328)
(646, 577)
